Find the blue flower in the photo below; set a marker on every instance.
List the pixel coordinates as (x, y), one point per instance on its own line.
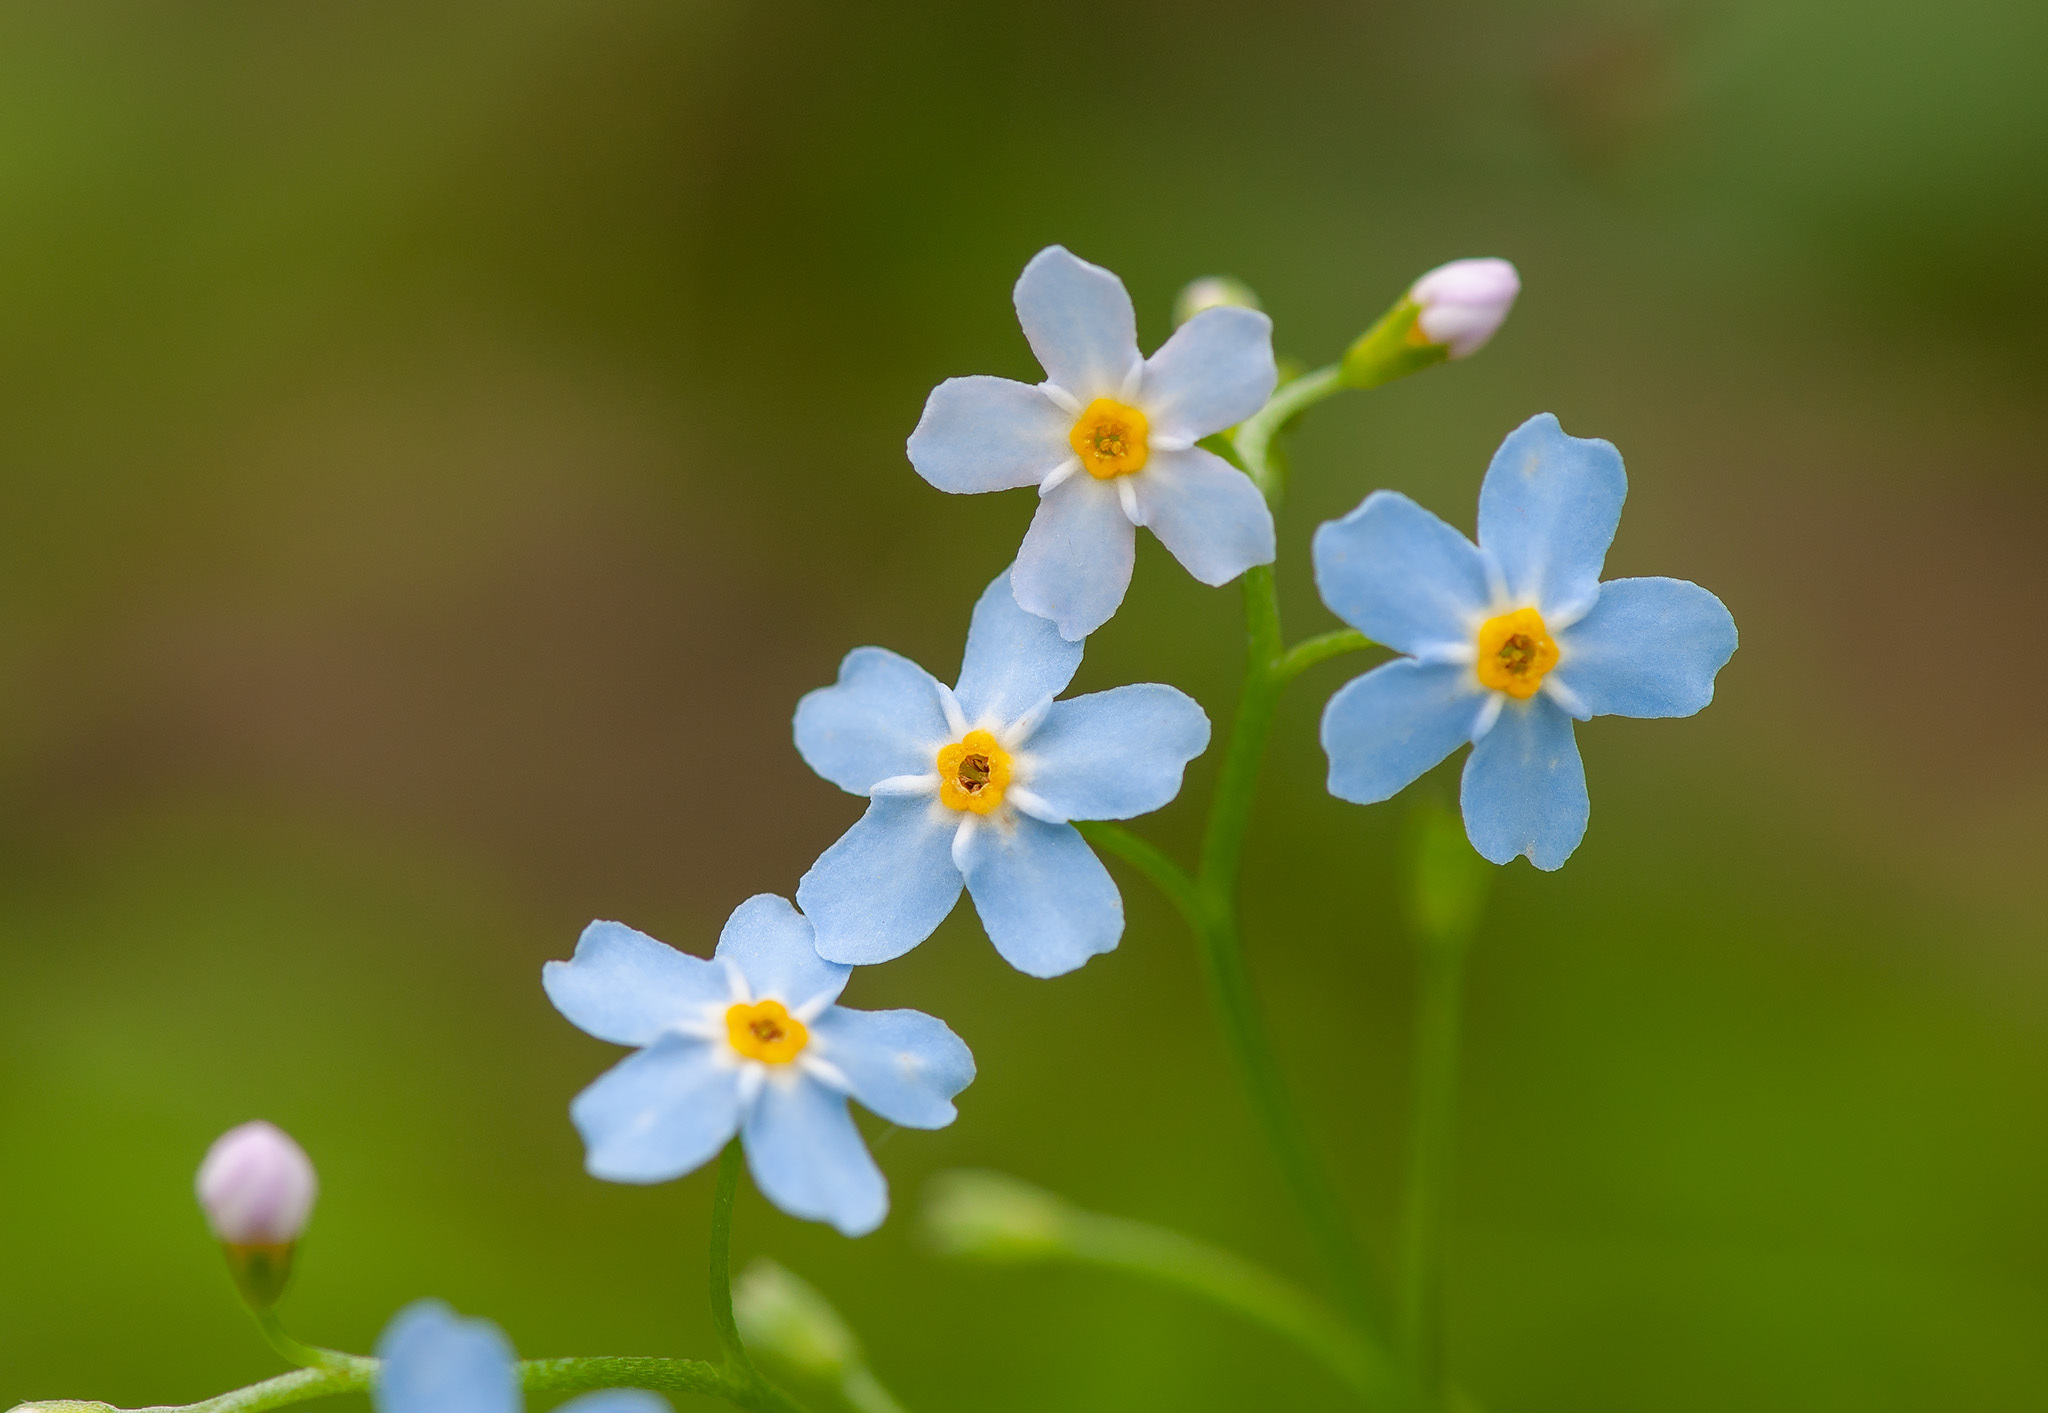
(1109, 440)
(977, 784)
(431, 1360)
(1507, 642)
(751, 1043)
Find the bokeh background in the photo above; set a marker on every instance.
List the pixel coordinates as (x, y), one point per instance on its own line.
(439, 442)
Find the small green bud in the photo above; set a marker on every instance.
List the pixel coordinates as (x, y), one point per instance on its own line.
(1451, 881)
(1212, 292)
(783, 1315)
(994, 1217)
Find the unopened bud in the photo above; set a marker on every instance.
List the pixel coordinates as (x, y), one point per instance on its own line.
(1464, 303)
(1212, 292)
(994, 1217)
(257, 1189)
(783, 1315)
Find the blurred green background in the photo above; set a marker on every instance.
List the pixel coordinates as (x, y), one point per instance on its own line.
(441, 441)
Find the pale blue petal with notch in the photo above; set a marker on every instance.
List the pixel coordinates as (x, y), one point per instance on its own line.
(1401, 576)
(1524, 790)
(659, 1113)
(431, 1360)
(774, 947)
(1383, 730)
(1044, 899)
(808, 1158)
(1650, 647)
(1014, 660)
(1079, 322)
(988, 434)
(1206, 512)
(881, 718)
(1116, 754)
(1548, 509)
(886, 884)
(903, 1065)
(1075, 562)
(625, 987)
(1214, 372)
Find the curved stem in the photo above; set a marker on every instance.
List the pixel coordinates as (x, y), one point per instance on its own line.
(1152, 861)
(1321, 648)
(721, 1259)
(292, 1350)
(1254, 436)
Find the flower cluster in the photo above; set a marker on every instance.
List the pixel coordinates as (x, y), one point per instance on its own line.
(978, 785)
(1506, 643)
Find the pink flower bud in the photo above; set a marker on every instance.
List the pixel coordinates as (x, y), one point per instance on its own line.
(1464, 302)
(257, 1186)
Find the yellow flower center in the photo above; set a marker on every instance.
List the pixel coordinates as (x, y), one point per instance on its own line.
(1515, 651)
(973, 772)
(1110, 439)
(765, 1031)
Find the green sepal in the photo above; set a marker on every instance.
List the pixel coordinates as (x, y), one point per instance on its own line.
(261, 1272)
(1389, 349)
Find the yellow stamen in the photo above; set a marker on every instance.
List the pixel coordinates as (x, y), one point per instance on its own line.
(766, 1031)
(1515, 651)
(1110, 439)
(973, 772)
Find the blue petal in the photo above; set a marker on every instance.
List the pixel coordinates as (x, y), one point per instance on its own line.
(1650, 647)
(886, 884)
(1075, 562)
(775, 949)
(625, 987)
(808, 1159)
(1524, 790)
(1547, 512)
(1214, 372)
(616, 1400)
(988, 434)
(431, 1360)
(1079, 321)
(904, 1065)
(881, 718)
(1206, 511)
(1115, 754)
(1014, 660)
(659, 1113)
(1401, 576)
(1382, 730)
(1045, 900)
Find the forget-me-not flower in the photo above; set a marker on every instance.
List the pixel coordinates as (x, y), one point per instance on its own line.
(1507, 642)
(749, 1042)
(1109, 440)
(976, 784)
(431, 1360)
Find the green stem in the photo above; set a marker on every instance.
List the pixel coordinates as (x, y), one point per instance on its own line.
(550, 1375)
(1149, 859)
(306, 1356)
(721, 1260)
(1321, 648)
(1255, 435)
(1439, 1002)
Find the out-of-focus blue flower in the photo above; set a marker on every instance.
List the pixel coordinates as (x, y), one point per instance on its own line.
(431, 1360)
(977, 784)
(1507, 642)
(751, 1043)
(1109, 440)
